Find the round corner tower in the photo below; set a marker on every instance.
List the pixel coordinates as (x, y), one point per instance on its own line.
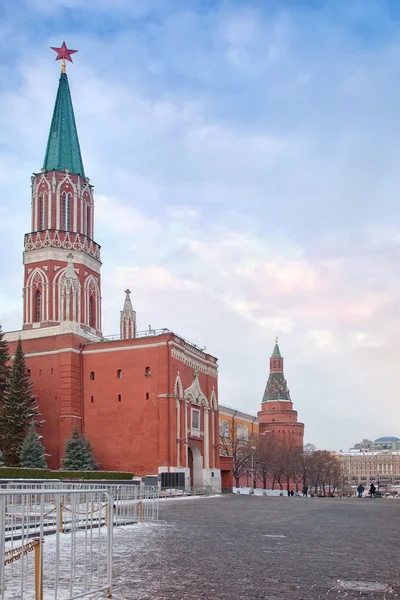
(277, 415)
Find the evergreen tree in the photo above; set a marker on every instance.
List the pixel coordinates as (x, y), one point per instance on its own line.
(32, 453)
(18, 409)
(4, 368)
(1, 459)
(78, 453)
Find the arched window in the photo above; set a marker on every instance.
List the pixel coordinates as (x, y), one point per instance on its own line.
(119, 397)
(66, 212)
(147, 372)
(239, 432)
(42, 212)
(245, 433)
(224, 429)
(92, 315)
(38, 307)
(91, 375)
(88, 232)
(119, 374)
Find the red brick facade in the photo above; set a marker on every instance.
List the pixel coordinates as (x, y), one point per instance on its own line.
(147, 404)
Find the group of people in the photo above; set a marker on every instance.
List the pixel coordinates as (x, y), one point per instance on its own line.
(360, 491)
(372, 490)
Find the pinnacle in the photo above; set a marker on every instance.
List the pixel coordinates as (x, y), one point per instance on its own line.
(276, 353)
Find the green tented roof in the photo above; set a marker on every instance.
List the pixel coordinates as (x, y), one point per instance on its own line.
(276, 389)
(276, 352)
(63, 151)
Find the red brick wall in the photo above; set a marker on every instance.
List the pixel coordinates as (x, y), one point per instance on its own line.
(55, 373)
(131, 420)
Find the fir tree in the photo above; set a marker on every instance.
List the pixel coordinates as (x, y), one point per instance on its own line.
(32, 453)
(18, 409)
(78, 453)
(4, 368)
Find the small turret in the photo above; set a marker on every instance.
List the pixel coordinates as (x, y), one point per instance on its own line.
(276, 388)
(128, 319)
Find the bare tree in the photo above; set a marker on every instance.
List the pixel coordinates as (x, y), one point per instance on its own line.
(266, 449)
(238, 446)
(323, 472)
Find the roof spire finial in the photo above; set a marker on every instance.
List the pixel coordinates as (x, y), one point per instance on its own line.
(276, 340)
(63, 54)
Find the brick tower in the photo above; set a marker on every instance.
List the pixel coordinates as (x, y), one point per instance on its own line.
(277, 414)
(146, 400)
(61, 260)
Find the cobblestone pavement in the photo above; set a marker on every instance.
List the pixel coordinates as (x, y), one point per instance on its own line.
(234, 547)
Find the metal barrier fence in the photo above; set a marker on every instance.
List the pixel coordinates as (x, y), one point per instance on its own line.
(196, 490)
(76, 565)
(132, 503)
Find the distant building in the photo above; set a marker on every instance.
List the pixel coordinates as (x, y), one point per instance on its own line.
(382, 443)
(375, 462)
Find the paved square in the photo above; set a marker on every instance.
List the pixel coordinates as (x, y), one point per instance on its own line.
(234, 547)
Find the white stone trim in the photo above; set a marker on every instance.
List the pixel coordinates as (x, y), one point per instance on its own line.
(75, 205)
(102, 350)
(61, 329)
(196, 363)
(76, 242)
(59, 254)
(178, 387)
(195, 394)
(71, 417)
(50, 352)
(232, 412)
(193, 352)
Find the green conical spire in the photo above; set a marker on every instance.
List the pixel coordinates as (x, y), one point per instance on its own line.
(276, 352)
(63, 151)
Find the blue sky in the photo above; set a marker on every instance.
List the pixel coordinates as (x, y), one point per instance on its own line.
(245, 161)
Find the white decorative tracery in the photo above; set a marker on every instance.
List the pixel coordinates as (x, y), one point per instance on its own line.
(37, 184)
(92, 307)
(192, 362)
(42, 221)
(37, 283)
(60, 239)
(213, 400)
(195, 394)
(69, 294)
(178, 387)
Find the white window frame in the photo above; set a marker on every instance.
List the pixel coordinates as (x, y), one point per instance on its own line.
(195, 411)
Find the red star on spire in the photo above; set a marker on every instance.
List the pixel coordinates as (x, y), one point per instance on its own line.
(63, 53)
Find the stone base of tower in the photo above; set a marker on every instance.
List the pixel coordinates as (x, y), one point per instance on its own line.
(279, 419)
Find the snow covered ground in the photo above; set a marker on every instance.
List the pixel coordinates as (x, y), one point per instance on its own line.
(258, 491)
(81, 566)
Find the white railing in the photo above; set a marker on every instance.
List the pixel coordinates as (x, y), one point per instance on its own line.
(132, 503)
(74, 562)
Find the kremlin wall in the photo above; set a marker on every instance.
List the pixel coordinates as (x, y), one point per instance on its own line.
(147, 401)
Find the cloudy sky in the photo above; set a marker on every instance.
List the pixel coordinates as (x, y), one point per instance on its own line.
(245, 157)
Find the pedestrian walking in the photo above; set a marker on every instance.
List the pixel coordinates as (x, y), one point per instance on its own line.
(372, 490)
(360, 491)
(305, 491)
